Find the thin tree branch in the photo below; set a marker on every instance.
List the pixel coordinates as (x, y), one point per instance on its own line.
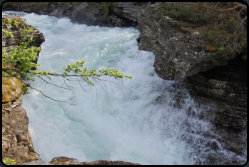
(52, 83)
(67, 84)
(64, 101)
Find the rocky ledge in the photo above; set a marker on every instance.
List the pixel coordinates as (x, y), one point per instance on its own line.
(16, 140)
(185, 41)
(207, 50)
(122, 14)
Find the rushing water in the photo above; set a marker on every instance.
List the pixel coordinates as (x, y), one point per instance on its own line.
(145, 120)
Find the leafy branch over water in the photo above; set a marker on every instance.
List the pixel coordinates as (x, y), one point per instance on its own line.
(20, 63)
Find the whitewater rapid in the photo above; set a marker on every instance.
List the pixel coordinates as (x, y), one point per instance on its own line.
(144, 120)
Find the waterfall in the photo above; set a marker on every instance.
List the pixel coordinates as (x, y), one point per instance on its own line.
(145, 120)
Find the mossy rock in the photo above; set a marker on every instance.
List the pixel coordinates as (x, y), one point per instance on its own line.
(104, 6)
(11, 89)
(13, 22)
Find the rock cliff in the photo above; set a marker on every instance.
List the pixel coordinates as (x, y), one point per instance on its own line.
(183, 46)
(208, 52)
(16, 140)
(122, 14)
(205, 49)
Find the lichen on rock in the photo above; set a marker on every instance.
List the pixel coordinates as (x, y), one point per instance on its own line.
(16, 140)
(187, 39)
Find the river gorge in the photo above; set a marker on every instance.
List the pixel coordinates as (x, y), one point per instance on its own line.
(145, 120)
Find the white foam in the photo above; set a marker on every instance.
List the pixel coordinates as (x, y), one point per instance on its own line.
(131, 120)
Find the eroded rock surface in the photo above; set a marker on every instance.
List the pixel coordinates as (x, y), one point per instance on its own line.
(13, 24)
(122, 14)
(225, 89)
(209, 57)
(183, 48)
(16, 140)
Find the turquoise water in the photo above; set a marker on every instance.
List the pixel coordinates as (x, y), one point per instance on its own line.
(139, 120)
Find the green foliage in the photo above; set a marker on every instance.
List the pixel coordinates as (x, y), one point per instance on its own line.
(78, 68)
(230, 24)
(219, 23)
(75, 3)
(25, 90)
(9, 161)
(217, 36)
(23, 57)
(213, 34)
(221, 48)
(6, 32)
(105, 6)
(180, 11)
(13, 22)
(39, 3)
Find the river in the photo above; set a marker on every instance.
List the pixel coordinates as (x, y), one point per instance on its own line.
(144, 120)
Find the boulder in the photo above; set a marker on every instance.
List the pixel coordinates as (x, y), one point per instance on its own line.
(183, 48)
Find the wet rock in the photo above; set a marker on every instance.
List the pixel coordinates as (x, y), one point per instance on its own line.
(16, 140)
(215, 77)
(224, 90)
(212, 159)
(72, 161)
(123, 14)
(64, 161)
(226, 87)
(36, 162)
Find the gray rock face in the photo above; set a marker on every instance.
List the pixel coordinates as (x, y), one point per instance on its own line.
(174, 59)
(122, 14)
(214, 78)
(225, 88)
(180, 51)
